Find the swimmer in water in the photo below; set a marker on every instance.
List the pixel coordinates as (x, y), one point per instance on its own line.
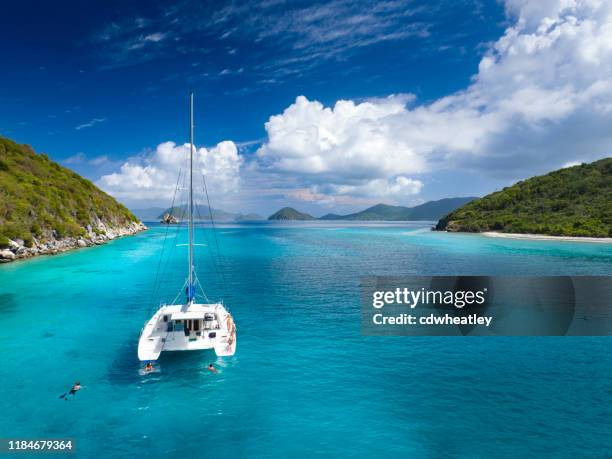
(212, 369)
(77, 387)
(149, 367)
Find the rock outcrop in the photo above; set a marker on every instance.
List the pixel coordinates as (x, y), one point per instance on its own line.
(169, 219)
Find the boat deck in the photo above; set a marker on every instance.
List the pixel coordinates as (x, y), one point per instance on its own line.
(181, 328)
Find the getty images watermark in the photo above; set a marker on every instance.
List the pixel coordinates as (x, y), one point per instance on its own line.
(413, 298)
(483, 305)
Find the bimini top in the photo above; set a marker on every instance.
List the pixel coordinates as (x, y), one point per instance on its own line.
(186, 315)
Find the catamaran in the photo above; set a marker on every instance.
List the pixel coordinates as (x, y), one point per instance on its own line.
(190, 326)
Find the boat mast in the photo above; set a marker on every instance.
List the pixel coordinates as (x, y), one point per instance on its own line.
(190, 286)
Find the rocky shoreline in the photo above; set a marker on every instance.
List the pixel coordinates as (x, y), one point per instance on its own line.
(99, 235)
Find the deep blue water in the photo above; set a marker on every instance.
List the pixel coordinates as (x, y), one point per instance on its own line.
(303, 382)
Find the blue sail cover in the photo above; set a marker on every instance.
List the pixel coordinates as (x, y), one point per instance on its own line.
(190, 291)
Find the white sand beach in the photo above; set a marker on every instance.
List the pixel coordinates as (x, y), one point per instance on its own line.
(542, 237)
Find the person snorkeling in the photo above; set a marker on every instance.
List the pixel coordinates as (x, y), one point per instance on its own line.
(75, 388)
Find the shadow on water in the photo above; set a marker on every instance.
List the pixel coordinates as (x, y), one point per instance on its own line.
(191, 367)
(183, 363)
(72, 354)
(8, 303)
(124, 369)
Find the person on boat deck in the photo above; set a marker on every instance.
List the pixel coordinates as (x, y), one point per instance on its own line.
(212, 369)
(77, 387)
(149, 367)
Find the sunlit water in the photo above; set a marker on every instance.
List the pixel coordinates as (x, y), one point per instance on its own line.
(304, 382)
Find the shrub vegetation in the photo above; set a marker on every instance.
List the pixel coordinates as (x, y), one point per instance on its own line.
(575, 201)
(40, 199)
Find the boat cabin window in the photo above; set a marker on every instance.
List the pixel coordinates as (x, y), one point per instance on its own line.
(209, 322)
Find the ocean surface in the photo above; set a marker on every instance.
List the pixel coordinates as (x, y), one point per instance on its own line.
(304, 382)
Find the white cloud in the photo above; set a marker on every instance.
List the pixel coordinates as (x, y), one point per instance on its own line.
(346, 140)
(542, 98)
(77, 158)
(82, 158)
(348, 149)
(153, 176)
(99, 160)
(301, 36)
(397, 187)
(155, 37)
(231, 72)
(89, 124)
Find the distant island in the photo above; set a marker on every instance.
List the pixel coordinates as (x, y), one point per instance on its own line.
(574, 202)
(201, 213)
(289, 213)
(46, 208)
(429, 211)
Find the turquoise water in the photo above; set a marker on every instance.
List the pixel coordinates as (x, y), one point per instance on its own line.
(303, 382)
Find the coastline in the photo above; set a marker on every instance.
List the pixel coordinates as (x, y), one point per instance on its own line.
(543, 237)
(98, 236)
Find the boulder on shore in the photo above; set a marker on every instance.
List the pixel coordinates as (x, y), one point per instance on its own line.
(6, 255)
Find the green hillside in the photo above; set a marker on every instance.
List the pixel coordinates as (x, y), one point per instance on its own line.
(289, 213)
(575, 201)
(331, 217)
(431, 210)
(39, 198)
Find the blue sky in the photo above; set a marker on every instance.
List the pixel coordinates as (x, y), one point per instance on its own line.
(396, 101)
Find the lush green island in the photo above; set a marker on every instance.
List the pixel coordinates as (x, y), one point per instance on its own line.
(201, 212)
(431, 211)
(574, 201)
(289, 213)
(46, 208)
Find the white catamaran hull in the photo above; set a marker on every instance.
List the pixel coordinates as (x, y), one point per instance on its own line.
(188, 328)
